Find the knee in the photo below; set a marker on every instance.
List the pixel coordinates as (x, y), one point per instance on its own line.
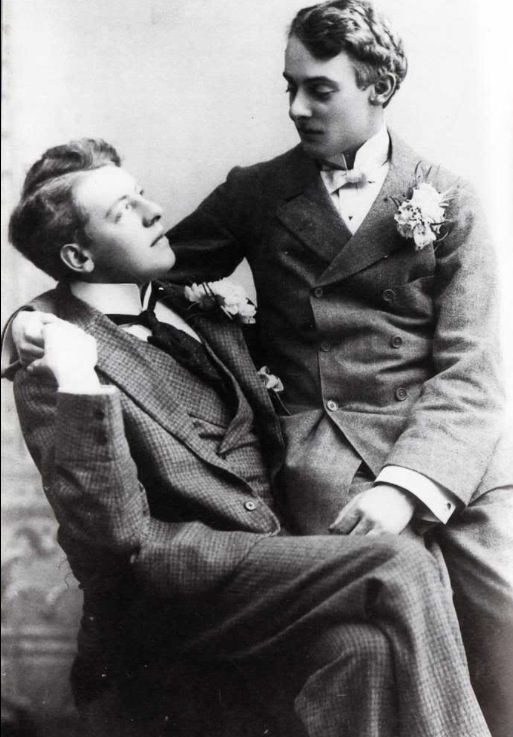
(410, 555)
(354, 644)
(415, 567)
(371, 646)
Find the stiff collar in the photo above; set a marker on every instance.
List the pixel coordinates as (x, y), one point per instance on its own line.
(371, 156)
(374, 152)
(110, 298)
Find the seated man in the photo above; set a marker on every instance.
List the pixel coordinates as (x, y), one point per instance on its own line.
(158, 446)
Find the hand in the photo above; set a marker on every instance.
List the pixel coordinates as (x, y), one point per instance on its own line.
(376, 511)
(69, 354)
(27, 334)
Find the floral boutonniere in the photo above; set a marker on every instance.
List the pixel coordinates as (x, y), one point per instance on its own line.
(421, 215)
(270, 381)
(229, 297)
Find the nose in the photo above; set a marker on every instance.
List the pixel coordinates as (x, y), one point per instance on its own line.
(299, 106)
(152, 212)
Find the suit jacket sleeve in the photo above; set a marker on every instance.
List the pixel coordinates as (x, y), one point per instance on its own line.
(91, 481)
(456, 422)
(211, 242)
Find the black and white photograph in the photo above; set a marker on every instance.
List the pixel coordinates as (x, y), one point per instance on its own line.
(257, 396)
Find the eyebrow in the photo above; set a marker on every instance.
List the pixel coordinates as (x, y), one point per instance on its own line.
(319, 79)
(115, 204)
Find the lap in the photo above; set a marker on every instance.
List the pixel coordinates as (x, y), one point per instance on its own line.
(478, 547)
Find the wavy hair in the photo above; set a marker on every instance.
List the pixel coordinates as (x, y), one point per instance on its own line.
(47, 216)
(353, 26)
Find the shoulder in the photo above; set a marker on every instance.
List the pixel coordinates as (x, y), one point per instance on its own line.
(464, 209)
(273, 173)
(410, 164)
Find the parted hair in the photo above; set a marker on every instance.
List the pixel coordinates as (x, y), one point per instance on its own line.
(47, 216)
(353, 26)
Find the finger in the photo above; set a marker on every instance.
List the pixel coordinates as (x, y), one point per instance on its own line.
(47, 317)
(363, 527)
(344, 524)
(377, 531)
(348, 509)
(29, 352)
(36, 366)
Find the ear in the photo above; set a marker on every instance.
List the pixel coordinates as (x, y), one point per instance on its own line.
(382, 90)
(77, 258)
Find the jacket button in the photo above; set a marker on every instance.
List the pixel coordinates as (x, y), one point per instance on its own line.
(250, 506)
(331, 405)
(396, 341)
(318, 292)
(401, 394)
(388, 295)
(325, 346)
(99, 414)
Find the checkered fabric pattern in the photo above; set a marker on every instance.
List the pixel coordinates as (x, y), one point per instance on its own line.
(213, 579)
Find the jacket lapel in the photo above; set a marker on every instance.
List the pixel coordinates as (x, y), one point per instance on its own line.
(225, 340)
(226, 343)
(126, 363)
(377, 236)
(307, 210)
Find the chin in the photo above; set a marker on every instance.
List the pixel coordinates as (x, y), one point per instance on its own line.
(317, 151)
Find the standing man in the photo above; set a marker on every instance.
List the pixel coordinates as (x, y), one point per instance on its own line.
(378, 310)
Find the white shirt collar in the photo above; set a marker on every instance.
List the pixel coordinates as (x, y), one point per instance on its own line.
(124, 299)
(374, 152)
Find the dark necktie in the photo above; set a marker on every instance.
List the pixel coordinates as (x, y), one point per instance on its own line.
(185, 349)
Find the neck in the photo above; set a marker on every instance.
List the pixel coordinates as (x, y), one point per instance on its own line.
(347, 158)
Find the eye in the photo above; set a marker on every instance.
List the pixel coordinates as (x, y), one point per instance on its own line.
(321, 92)
(290, 89)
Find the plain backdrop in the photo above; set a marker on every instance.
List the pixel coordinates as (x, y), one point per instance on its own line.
(186, 89)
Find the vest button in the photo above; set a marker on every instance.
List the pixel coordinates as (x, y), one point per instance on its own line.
(401, 394)
(325, 346)
(332, 405)
(388, 295)
(250, 506)
(318, 292)
(396, 341)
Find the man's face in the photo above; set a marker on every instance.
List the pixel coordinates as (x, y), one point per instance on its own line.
(330, 112)
(126, 241)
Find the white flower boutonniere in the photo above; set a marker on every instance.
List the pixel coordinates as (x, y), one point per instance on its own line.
(270, 381)
(422, 215)
(229, 297)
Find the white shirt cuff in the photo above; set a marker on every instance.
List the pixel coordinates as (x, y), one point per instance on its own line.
(101, 389)
(438, 500)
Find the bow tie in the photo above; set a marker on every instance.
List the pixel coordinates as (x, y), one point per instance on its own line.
(337, 178)
(185, 349)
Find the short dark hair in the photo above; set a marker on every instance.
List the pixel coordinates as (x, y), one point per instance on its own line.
(353, 26)
(47, 217)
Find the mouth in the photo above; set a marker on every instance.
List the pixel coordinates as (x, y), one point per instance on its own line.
(159, 238)
(309, 134)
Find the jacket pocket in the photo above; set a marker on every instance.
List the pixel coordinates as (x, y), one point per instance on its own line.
(414, 298)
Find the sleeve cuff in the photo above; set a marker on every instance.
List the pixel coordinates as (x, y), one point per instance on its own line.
(436, 498)
(100, 390)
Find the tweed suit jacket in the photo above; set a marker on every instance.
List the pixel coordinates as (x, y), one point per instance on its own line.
(397, 346)
(93, 453)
